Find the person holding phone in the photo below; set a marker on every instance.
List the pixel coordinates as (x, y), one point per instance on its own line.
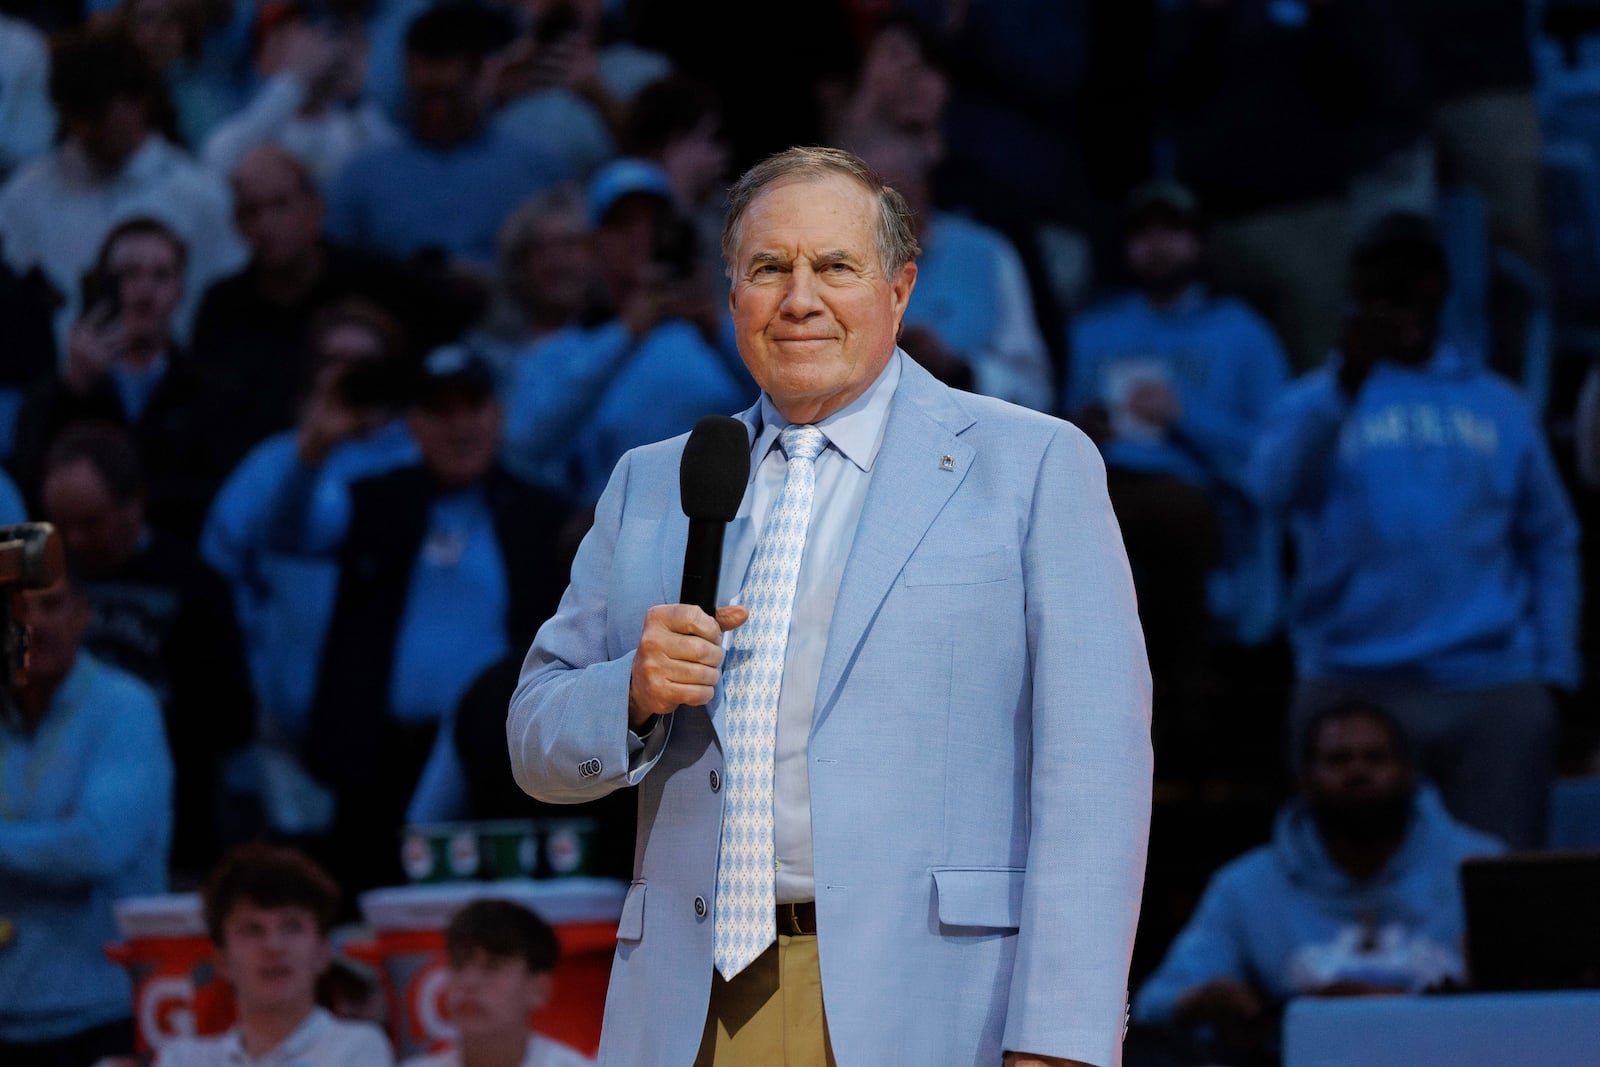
(124, 365)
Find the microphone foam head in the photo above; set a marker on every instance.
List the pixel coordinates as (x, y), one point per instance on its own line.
(714, 468)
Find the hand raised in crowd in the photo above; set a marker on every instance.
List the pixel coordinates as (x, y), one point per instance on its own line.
(93, 344)
(664, 295)
(327, 419)
(529, 64)
(679, 658)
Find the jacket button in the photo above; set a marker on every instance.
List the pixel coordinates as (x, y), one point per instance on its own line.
(716, 780)
(700, 907)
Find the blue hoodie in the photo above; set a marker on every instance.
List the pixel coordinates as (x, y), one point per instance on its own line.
(1220, 356)
(1285, 919)
(1434, 538)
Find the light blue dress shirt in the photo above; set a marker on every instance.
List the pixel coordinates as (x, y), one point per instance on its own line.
(843, 471)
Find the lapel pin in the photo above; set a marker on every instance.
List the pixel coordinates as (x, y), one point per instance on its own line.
(947, 463)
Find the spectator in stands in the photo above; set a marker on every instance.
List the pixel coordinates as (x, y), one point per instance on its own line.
(27, 119)
(649, 371)
(548, 279)
(159, 613)
(1174, 383)
(417, 543)
(972, 319)
(251, 329)
(269, 910)
(347, 430)
(1436, 549)
(124, 365)
(171, 34)
(85, 821)
(501, 955)
(1357, 893)
(565, 84)
(676, 123)
(902, 88)
(309, 100)
(442, 192)
(110, 165)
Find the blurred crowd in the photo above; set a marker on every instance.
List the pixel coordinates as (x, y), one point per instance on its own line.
(325, 321)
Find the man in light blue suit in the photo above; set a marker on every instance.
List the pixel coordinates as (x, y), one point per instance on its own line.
(958, 800)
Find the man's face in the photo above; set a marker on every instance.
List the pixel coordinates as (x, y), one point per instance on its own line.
(489, 996)
(559, 265)
(814, 314)
(98, 533)
(459, 437)
(444, 98)
(278, 216)
(56, 618)
(273, 956)
(1356, 781)
(112, 134)
(1163, 254)
(149, 274)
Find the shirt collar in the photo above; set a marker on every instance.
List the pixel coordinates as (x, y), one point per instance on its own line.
(856, 429)
(296, 1044)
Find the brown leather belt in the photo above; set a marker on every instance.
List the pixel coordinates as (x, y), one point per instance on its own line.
(798, 918)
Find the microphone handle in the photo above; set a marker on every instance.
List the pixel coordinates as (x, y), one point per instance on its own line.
(702, 564)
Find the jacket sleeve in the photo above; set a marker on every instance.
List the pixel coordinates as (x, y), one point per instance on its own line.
(568, 722)
(1090, 788)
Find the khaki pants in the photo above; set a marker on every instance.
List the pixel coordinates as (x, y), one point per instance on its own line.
(770, 1015)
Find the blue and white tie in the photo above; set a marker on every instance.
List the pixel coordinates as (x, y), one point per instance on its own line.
(752, 677)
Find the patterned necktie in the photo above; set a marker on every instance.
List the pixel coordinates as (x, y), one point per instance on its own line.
(752, 677)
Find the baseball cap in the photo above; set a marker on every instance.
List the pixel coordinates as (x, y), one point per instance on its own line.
(1163, 196)
(453, 370)
(625, 177)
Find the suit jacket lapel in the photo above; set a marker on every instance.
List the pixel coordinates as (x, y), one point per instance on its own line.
(912, 480)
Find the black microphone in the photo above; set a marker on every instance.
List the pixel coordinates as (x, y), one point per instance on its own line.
(711, 481)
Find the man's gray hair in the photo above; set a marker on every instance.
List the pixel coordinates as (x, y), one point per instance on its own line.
(893, 234)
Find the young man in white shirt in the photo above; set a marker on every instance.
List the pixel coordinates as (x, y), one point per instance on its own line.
(269, 908)
(501, 955)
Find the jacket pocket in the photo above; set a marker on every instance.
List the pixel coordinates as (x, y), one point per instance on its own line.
(979, 896)
(995, 566)
(631, 926)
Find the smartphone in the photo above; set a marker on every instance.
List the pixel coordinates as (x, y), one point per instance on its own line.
(101, 289)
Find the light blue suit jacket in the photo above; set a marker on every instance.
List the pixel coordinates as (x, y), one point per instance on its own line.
(980, 758)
